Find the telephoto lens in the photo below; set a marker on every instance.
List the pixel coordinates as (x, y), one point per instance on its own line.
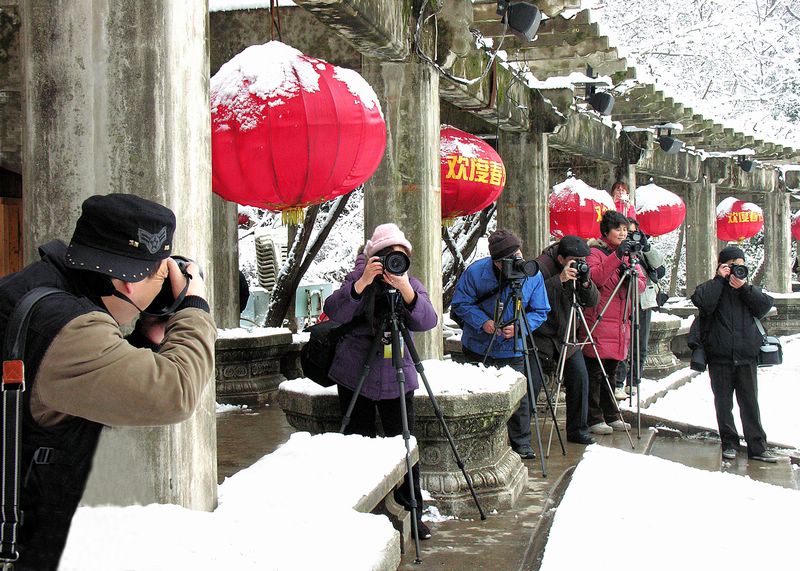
(739, 271)
(396, 263)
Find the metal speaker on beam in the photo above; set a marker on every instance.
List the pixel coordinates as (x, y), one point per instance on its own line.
(669, 144)
(601, 102)
(523, 17)
(746, 164)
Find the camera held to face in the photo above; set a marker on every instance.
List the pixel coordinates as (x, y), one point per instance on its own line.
(518, 268)
(583, 270)
(396, 262)
(637, 241)
(739, 271)
(164, 302)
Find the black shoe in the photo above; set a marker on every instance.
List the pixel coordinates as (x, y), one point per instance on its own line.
(765, 456)
(423, 530)
(729, 454)
(580, 438)
(526, 453)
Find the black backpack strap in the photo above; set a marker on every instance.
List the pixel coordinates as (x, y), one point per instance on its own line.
(12, 388)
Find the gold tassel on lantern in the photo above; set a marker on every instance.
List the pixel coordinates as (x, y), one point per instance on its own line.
(293, 215)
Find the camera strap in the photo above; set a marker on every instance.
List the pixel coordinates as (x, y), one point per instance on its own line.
(13, 387)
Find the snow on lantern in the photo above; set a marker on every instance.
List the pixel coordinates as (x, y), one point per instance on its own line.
(472, 173)
(289, 130)
(737, 220)
(796, 225)
(576, 209)
(658, 210)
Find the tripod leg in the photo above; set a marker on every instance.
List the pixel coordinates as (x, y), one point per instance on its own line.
(439, 415)
(365, 369)
(397, 362)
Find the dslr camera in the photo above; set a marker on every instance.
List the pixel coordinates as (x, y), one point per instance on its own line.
(583, 270)
(396, 262)
(518, 268)
(739, 271)
(637, 241)
(165, 303)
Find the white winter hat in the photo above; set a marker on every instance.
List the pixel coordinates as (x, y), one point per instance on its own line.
(386, 235)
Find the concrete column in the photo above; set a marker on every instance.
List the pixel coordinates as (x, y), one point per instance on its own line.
(701, 231)
(628, 176)
(116, 100)
(224, 266)
(777, 242)
(522, 206)
(406, 189)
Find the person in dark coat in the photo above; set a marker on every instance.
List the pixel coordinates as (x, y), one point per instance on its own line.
(563, 282)
(82, 374)
(612, 333)
(363, 298)
(728, 308)
(476, 300)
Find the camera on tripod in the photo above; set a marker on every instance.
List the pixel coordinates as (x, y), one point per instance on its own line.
(517, 268)
(396, 262)
(740, 271)
(637, 241)
(583, 270)
(164, 301)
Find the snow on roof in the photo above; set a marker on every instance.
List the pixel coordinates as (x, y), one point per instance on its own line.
(651, 196)
(569, 81)
(228, 5)
(584, 192)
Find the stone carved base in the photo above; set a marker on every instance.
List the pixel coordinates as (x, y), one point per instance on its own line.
(787, 320)
(661, 361)
(248, 369)
(476, 422)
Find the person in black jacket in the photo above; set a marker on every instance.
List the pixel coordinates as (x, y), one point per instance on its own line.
(562, 280)
(728, 308)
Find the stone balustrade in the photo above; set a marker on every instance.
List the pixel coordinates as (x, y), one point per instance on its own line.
(475, 414)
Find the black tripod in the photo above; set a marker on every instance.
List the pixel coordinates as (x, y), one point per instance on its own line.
(524, 336)
(632, 301)
(628, 276)
(399, 333)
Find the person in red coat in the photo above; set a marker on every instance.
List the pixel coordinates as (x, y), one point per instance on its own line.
(608, 258)
(622, 200)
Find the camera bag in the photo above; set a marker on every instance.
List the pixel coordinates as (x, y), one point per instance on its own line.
(771, 351)
(316, 356)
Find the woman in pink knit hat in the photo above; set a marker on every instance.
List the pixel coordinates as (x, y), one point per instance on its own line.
(363, 300)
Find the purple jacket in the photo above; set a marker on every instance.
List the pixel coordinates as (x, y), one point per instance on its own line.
(381, 382)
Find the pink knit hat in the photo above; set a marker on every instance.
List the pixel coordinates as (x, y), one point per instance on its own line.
(386, 235)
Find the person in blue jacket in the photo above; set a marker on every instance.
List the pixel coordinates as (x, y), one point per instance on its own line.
(477, 299)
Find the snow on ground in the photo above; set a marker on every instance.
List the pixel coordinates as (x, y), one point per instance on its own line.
(696, 520)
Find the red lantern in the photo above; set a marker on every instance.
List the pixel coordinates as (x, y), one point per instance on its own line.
(796, 225)
(472, 173)
(576, 209)
(289, 130)
(737, 220)
(658, 210)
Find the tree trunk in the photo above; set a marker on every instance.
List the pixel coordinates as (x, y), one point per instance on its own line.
(466, 233)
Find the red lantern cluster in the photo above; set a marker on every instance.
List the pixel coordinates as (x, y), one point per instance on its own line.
(658, 210)
(472, 173)
(796, 225)
(289, 130)
(738, 220)
(576, 209)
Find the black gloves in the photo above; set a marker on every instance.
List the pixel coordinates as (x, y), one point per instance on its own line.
(623, 249)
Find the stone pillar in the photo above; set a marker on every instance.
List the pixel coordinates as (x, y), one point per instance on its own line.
(116, 100)
(628, 176)
(522, 206)
(406, 189)
(223, 271)
(777, 242)
(701, 232)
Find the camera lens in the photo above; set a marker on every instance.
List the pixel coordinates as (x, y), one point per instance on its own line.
(739, 271)
(396, 263)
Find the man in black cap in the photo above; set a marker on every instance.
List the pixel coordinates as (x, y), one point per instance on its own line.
(558, 265)
(729, 307)
(476, 301)
(81, 373)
